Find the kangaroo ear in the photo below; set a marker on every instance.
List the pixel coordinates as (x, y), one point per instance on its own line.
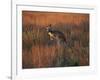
(48, 27)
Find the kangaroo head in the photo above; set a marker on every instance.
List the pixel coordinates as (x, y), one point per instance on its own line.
(49, 28)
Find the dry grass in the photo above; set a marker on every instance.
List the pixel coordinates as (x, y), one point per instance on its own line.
(39, 51)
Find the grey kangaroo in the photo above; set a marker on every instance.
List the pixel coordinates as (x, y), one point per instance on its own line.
(61, 43)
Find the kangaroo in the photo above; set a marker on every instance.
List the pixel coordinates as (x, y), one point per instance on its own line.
(61, 43)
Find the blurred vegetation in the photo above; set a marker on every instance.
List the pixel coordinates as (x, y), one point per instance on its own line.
(39, 51)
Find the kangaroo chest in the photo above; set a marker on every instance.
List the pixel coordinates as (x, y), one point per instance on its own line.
(53, 35)
(50, 34)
